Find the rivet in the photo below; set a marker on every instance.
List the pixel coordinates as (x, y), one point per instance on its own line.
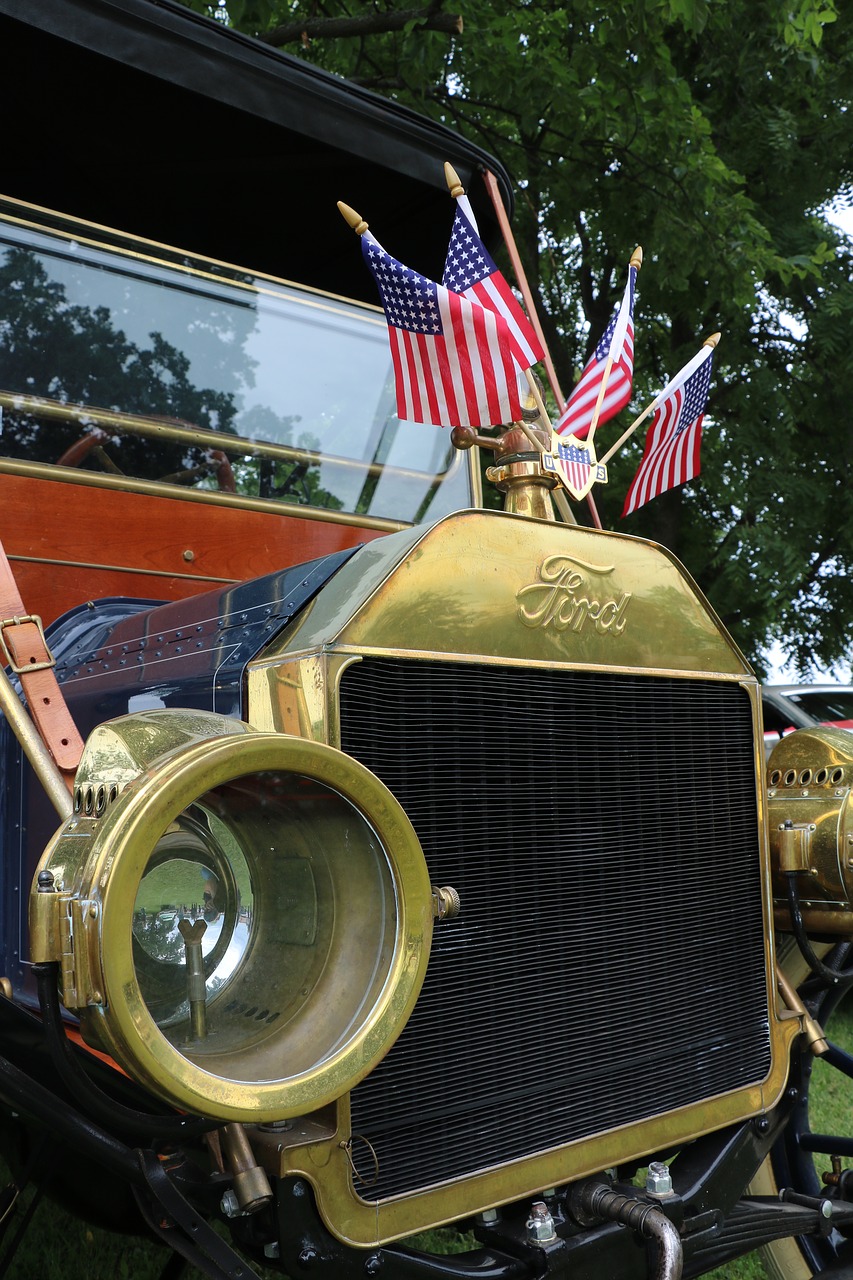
(189, 555)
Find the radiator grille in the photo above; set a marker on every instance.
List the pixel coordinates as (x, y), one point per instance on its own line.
(608, 964)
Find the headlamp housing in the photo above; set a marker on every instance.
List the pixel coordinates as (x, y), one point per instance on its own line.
(242, 919)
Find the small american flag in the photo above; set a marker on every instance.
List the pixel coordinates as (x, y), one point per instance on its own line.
(674, 439)
(619, 335)
(453, 363)
(470, 270)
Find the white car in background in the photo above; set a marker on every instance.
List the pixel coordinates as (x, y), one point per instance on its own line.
(801, 706)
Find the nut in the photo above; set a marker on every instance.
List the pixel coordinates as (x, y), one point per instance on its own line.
(540, 1225)
(658, 1179)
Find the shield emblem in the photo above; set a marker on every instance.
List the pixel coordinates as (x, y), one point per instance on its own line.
(575, 463)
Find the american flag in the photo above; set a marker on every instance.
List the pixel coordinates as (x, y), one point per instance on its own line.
(576, 418)
(674, 439)
(453, 361)
(470, 270)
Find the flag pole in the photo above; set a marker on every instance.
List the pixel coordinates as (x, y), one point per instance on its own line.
(518, 270)
(527, 294)
(709, 342)
(636, 260)
(560, 500)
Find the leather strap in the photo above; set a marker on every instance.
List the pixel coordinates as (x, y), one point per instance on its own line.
(23, 648)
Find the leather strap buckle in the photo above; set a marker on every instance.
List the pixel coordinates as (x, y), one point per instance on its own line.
(9, 661)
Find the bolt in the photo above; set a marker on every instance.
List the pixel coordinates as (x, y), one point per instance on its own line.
(658, 1179)
(373, 1265)
(307, 1257)
(46, 882)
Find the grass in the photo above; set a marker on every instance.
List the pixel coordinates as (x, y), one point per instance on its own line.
(58, 1246)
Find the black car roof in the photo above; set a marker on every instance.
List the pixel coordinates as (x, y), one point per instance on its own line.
(143, 115)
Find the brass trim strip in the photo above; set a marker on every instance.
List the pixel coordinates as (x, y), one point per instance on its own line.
(274, 657)
(157, 489)
(159, 428)
(121, 568)
(116, 241)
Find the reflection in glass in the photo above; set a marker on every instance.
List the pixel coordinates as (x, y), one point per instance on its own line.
(305, 375)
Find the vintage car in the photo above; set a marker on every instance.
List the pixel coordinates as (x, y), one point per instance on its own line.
(358, 877)
(787, 707)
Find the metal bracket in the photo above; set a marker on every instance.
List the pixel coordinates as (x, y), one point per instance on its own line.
(794, 843)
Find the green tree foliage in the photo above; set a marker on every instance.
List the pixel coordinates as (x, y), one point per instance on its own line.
(714, 133)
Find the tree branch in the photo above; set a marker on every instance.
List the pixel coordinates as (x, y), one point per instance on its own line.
(365, 24)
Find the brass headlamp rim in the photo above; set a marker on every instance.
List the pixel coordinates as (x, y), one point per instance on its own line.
(121, 850)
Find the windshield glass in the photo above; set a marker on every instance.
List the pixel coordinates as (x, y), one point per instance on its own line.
(118, 361)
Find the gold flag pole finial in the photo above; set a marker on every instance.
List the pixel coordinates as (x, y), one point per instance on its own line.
(637, 257)
(355, 220)
(712, 340)
(451, 177)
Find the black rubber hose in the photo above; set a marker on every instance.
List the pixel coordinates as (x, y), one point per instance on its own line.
(830, 975)
(144, 1127)
(26, 1095)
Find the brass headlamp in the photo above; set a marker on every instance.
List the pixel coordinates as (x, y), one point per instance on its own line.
(241, 919)
(810, 784)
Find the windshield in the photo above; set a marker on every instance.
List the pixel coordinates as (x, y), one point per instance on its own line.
(170, 369)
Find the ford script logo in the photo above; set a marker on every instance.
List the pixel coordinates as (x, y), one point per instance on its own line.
(564, 597)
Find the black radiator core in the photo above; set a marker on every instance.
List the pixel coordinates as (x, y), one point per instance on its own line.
(608, 963)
